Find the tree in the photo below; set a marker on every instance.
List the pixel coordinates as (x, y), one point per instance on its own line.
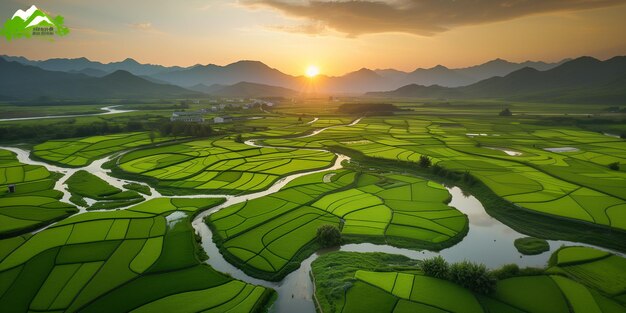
(435, 267)
(239, 138)
(328, 236)
(614, 166)
(473, 276)
(506, 112)
(152, 136)
(425, 161)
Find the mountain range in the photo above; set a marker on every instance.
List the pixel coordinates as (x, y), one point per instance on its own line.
(356, 82)
(25, 82)
(583, 80)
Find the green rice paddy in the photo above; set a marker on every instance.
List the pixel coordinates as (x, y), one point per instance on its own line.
(86, 185)
(517, 161)
(77, 152)
(219, 165)
(141, 259)
(398, 286)
(34, 203)
(268, 235)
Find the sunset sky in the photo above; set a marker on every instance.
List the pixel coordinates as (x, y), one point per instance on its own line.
(337, 36)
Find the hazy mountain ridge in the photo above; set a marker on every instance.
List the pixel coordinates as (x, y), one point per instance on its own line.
(584, 79)
(27, 82)
(356, 82)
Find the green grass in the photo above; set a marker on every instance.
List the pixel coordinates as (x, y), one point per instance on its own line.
(531, 245)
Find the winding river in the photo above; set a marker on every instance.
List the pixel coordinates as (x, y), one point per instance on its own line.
(488, 241)
(107, 110)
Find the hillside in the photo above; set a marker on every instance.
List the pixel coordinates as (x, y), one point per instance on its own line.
(583, 80)
(29, 82)
(250, 90)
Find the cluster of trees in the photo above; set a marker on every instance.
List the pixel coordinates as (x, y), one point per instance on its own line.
(328, 236)
(69, 129)
(176, 129)
(473, 276)
(362, 108)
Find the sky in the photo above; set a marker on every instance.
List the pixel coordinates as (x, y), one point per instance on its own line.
(337, 36)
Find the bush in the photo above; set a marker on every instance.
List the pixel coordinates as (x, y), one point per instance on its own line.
(473, 276)
(425, 161)
(505, 112)
(436, 267)
(614, 166)
(328, 236)
(239, 138)
(507, 271)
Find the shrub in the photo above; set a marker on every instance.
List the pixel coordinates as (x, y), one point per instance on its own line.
(614, 166)
(436, 267)
(505, 112)
(507, 271)
(328, 236)
(473, 276)
(239, 138)
(425, 161)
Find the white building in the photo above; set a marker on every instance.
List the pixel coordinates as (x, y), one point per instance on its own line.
(193, 117)
(222, 119)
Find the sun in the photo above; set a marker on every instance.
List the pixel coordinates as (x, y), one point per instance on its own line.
(312, 71)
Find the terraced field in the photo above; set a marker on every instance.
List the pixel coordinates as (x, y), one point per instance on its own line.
(83, 185)
(516, 161)
(219, 165)
(269, 236)
(142, 259)
(410, 291)
(34, 203)
(78, 152)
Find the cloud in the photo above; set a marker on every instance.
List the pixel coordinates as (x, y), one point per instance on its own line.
(420, 17)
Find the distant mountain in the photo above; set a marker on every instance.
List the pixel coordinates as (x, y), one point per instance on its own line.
(251, 90)
(249, 71)
(80, 64)
(583, 80)
(356, 82)
(206, 89)
(30, 82)
(90, 72)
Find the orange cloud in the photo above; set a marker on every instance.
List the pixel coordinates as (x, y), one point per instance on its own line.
(420, 17)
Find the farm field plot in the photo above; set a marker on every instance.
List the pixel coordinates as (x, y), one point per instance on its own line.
(515, 160)
(138, 259)
(268, 235)
(219, 165)
(34, 203)
(82, 185)
(82, 151)
(601, 270)
(396, 286)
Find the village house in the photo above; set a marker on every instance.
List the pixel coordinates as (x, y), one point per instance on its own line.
(193, 117)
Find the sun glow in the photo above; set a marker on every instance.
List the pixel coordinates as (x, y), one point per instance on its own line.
(312, 71)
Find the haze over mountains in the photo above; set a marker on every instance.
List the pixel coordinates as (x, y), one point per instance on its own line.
(584, 79)
(356, 82)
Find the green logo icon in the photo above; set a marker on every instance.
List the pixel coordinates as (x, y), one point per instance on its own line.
(33, 22)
